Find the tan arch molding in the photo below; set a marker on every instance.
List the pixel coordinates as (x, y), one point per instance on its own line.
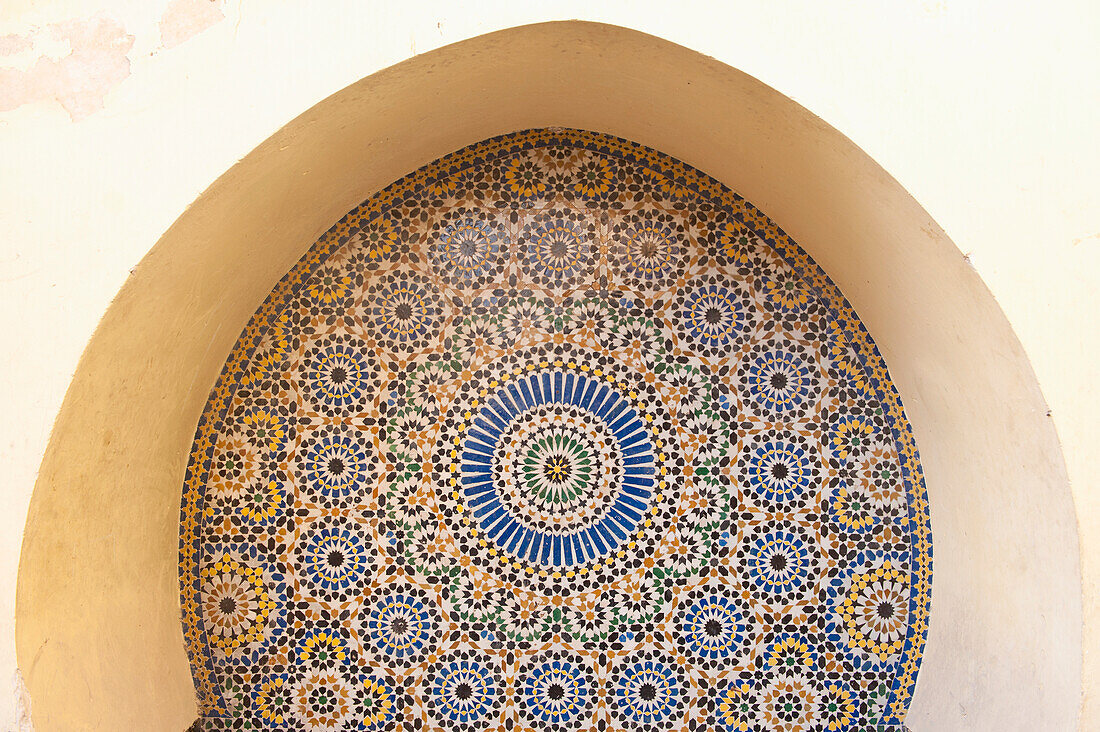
(99, 640)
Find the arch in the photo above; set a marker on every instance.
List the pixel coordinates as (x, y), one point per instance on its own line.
(98, 634)
(593, 254)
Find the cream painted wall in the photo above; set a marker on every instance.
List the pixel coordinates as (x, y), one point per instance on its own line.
(985, 112)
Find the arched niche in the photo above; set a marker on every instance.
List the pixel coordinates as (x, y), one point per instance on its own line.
(99, 640)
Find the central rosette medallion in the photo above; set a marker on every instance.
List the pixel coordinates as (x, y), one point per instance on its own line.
(559, 467)
(557, 460)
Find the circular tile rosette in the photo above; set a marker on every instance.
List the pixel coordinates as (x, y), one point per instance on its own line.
(556, 692)
(558, 470)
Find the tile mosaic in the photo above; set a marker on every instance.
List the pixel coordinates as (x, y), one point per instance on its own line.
(555, 432)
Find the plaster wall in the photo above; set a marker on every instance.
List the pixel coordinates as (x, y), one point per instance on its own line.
(1003, 164)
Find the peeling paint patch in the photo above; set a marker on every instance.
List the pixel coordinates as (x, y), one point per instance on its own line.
(80, 81)
(184, 19)
(14, 43)
(22, 703)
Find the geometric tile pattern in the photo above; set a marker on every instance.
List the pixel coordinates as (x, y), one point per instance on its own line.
(556, 432)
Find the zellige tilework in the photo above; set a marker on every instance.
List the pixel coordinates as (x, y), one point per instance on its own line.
(556, 432)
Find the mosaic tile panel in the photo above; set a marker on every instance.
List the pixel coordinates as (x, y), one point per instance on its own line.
(556, 432)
